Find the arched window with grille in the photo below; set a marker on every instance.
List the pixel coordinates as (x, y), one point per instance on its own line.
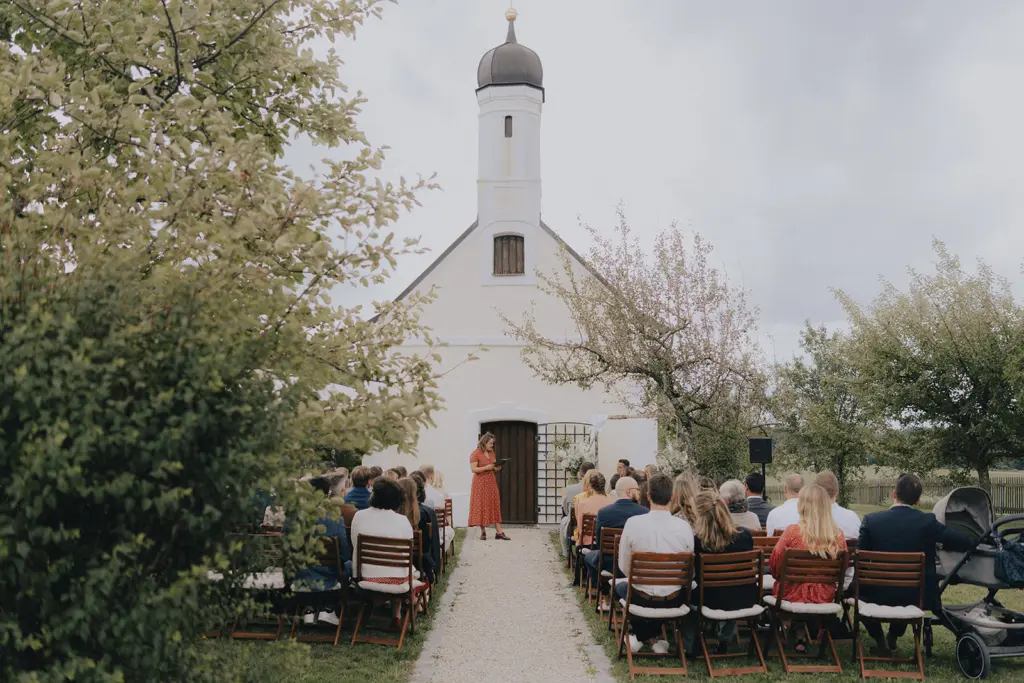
(509, 256)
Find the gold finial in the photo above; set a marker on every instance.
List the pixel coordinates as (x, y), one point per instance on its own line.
(511, 14)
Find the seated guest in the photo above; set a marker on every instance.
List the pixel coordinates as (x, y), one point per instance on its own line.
(568, 500)
(261, 501)
(359, 495)
(382, 518)
(755, 497)
(734, 493)
(817, 532)
(645, 496)
(402, 472)
(419, 518)
(592, 505)
(847, 520)
(651, 470)
(902, 529)
(611, 485)
(684, 493)
(715, 531)
(786, 514)
(656, 532)
(587, 492)
(393, 474)
(320, 578)
(435, 498)
(614, 516)
(622, 468)
(375, 473)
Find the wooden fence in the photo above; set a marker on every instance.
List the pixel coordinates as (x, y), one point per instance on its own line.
(1007, 493)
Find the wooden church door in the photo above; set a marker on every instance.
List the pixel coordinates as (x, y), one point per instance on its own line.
(517, 481)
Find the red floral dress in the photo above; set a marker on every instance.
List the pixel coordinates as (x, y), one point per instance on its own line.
(799, 592)
(484, 501)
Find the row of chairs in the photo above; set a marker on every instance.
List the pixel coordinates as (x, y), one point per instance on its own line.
(767, 616)
(286, 598)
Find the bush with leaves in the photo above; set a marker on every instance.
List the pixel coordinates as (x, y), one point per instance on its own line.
(168, 341)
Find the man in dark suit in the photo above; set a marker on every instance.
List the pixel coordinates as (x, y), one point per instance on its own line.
(903, 529)
(755, 497)
(614, 516)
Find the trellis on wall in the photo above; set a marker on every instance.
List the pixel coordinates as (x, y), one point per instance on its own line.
(561, 446)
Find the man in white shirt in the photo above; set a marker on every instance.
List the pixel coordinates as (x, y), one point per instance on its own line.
(845, 519)
(786, 514)
(656, 532)
(435, 499)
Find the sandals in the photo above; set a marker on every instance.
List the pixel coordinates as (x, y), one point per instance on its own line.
(483, 535)
(502, 537)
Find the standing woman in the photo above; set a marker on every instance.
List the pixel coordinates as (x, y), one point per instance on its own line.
(484, 500)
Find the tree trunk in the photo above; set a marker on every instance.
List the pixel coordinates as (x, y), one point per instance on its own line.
(844, 497)
(984, 480)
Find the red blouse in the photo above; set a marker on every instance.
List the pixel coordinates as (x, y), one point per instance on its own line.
(800, 592)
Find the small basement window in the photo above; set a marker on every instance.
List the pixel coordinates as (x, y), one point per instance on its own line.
(509, 257)
(508, 126)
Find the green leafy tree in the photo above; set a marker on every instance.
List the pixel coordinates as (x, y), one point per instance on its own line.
(168, 340)
(823, 422)
(934, 358)
(665, 332)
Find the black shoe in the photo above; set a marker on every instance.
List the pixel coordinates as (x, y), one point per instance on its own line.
(891, 641)
(880, 649)
(722, 648)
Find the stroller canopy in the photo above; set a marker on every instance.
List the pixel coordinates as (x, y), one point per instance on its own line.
(967, 509)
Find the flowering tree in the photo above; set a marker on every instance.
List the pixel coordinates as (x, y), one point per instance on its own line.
(665, 332)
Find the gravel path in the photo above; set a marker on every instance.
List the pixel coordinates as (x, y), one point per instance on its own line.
(508, 615)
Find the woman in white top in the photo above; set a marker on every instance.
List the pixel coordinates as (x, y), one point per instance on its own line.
(382, 519)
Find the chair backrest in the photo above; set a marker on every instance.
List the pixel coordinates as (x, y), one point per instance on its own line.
(726, 570)
(765, 543)
(442, 516)
(897, 570)
(608, 544)
(448, 511)
(801, 566)
(758, 533)
(851, 551)
(661, 569)
(327, 553)
(380, 551)
(348, 511)
(587, 525)
(417, 548)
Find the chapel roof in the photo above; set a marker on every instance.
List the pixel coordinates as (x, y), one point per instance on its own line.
(510, 63)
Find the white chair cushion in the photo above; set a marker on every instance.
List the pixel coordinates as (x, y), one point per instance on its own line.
(657, 612)
(270, 580)
(730, 615)
(389, 588)
(299, 587)
(805, 607)
(606, 574)
(769, 583)
(873, 611)
(449, 533)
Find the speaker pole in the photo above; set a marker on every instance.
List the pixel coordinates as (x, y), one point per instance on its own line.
(764, 478)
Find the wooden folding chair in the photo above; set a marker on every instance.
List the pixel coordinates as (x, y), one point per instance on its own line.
(893, 570)
(393, 553)
(766, 544)
(607, 546)
(335, 596)
(587, 525)
(450, 521)
(731, 570)
(656, 569)
(800, 566)
(571, 533)
(267, 581)
(420, 573)
(758, 533)
(442, 525)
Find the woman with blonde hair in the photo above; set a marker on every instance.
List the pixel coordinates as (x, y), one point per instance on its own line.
(684, 491)
(715, 531)
(593, 504)
(484, 497)
(586, 493)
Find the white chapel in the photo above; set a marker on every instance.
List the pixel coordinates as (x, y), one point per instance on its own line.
(490, 268)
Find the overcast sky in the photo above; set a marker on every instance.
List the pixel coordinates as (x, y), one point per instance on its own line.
(816, 144)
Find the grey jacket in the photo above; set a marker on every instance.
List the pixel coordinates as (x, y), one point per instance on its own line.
(761, 508)
(571, 492)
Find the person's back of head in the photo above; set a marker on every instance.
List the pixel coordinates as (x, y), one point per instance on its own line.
(586, 467)
(626, 487)
(387, 495)
(817, 527)
(419, 477)
(794, 482)
(684, 491)
(829, 482)
(402, 472)
(375, 473)
(360, 477)
(755, 483)
(734, 493)
(338, 483)
(651, 470)
(908, 489)
(640, 476)
(659, 490)
(428, 473)
(321, 484)
(712, 523)
(410, 505)
(611, 484)
(393, 474)
(596, 483)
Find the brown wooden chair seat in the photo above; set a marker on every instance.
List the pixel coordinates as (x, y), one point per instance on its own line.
(800, 566)
(394, 553)
(731, 570)
(894, 570)
(657, 569)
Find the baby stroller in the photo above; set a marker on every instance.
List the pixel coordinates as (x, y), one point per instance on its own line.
(984, 630)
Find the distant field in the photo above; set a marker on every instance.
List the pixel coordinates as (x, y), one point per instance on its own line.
(871, 473)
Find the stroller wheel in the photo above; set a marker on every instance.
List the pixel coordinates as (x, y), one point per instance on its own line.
(972, 656)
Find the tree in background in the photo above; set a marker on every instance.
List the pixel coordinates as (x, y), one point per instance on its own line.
(666, 333)
(935, 358)
(168, 343)
(824, 425)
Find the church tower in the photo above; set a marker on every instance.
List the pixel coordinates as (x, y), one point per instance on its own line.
(510, 94)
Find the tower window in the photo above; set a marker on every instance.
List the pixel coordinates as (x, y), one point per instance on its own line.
(508, 126)
(509, 257)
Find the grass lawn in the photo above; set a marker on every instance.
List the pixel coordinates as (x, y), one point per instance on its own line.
(263, 662)
(940, 667)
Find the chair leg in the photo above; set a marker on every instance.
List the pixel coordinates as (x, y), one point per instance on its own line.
(679, 645)
(359, 622)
